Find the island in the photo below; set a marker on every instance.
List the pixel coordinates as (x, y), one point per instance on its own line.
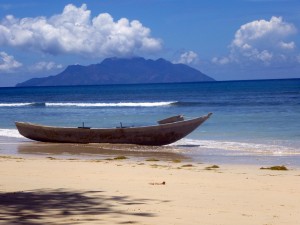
(114, 70)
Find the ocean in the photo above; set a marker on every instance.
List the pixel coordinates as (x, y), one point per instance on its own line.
(253, 122)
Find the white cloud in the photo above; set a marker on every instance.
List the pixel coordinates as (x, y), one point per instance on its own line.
(288, 46)
(8, 63)
(259, 31)
(264, 56)
(261, 41)
(75, 32)
(45, 66)
(189, 57)
(221, 61)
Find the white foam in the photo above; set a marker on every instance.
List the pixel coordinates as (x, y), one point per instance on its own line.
(120, 104)
(16, 104)
(10, 133)
(83, 104)
(258, 148)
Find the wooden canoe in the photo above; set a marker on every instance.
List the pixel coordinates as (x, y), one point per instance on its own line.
(161, 134)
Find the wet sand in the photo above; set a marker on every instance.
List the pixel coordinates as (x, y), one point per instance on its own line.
(85, 151)
(52, 190)
(191, 153)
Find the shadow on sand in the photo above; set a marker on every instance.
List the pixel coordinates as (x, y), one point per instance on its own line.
(62, 206)
(101, 150)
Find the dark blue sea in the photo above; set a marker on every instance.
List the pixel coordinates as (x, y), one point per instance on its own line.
(252, 122)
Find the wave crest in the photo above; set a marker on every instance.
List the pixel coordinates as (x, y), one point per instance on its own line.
(235, 146)
(10, 133)
(87, 104)
(119, 104)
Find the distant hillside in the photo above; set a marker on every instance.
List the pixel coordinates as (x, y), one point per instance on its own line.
(122, 71)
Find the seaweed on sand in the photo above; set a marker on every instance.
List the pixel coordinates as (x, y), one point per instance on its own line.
(212, 167)
(176, 161)
(152, 160)
(275, 168)
(120, 157)
(188, 165)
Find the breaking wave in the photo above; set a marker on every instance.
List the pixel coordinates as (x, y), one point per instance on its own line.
(10, 133)
(119, 104)
(138, 104)
(20, 104)
(234, 146)
(82, 104)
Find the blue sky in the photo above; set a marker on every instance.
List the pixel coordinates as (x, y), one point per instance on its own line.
(227, 40)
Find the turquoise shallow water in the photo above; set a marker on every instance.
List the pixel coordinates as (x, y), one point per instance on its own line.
(252, 120)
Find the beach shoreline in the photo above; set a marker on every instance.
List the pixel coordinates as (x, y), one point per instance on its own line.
(116, 190)
(188, 153)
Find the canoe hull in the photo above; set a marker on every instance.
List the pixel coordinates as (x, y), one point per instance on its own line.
(152, 135)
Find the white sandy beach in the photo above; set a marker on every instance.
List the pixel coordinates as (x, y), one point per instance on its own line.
(62, 191)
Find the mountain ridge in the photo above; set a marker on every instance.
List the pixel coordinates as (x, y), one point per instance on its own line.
(122, 71)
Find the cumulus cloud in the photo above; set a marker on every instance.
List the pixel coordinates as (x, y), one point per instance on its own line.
(74, 31)
(289, 46)
(45, 66)
(8, 63)
(188, 57)
(221, 61)
(261, 41)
